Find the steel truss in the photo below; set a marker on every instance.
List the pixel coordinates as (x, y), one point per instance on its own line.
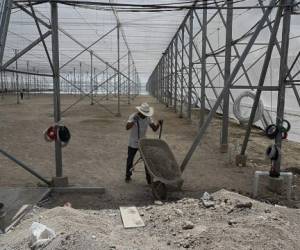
(117, 82)
(177, 82)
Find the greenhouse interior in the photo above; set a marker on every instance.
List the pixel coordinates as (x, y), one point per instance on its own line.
(151, 124)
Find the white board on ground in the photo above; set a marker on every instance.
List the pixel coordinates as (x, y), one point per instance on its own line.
(131, 217)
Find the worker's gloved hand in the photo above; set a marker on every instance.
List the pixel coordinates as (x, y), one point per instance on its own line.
(160, 122)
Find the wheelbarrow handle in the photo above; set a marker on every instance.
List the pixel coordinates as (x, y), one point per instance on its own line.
(160, 128)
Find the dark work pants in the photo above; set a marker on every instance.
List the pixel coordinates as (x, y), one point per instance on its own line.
(130, 158)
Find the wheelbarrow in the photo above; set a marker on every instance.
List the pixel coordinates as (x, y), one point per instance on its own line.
(161, 165)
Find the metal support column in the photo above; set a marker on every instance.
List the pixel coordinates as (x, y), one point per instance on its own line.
(275, 170)
(119, 76)
(80, 77)
(203, 64)
(17, 80)
(190, 84)
(74, 78)
(176, 74)
(2, 85)
(172, 73)
(182, 70)
(56, 84)
(91, 79)
(129, 79)
(225, 118)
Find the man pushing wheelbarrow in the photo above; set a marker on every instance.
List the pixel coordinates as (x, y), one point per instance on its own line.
(138, 123)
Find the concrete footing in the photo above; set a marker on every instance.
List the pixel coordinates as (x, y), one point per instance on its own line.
(60, 181)
(275, 184)
(241, 160)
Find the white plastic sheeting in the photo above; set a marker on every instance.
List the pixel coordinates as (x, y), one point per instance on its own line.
(148, 35)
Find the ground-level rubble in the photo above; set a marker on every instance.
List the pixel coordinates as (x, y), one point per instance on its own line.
(234, 222)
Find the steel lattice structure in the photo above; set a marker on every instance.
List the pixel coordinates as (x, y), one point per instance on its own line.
(220, 49)
(177, 83)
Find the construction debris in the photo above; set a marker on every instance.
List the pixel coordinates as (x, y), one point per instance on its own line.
(177, 224)
(41, 235)
(207, 200)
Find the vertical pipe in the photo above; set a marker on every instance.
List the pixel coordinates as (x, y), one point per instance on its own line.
(225, 118)
(28, 79)
(163, 79)
(168, 78)
(176, 73)
(275, 170)
(17, 80)
(129, 80)
(189, 113)
(95, 79)
(203, 64)
(56, 84)
(74, 78)
(172, 73)
(91, 79)
(80, 78)
(119, 78)
(107, 83)
(2, 85)
(182, 70)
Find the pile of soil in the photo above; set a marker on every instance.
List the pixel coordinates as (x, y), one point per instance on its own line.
(234, 222)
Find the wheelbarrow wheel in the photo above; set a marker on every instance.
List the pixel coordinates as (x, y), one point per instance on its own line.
(159, 190)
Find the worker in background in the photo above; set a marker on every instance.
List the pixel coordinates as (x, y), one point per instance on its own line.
(138, 123)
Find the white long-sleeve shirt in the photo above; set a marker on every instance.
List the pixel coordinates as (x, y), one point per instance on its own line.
(139, 129)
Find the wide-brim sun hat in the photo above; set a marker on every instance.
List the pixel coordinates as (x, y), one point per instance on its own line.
(145, 109)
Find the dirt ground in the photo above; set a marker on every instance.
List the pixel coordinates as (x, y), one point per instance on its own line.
(96, 154)
(234, 222)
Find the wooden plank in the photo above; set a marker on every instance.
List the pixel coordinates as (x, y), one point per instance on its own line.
(131, 217)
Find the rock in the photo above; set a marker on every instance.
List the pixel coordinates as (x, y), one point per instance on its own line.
(230, 211)
(174, 234)
(166, 219)
(231, 222)
(112, 247)
(206, 196)
(208, 203)
(158, 203)
(148, 208)
(187, 236)
(186, 245)
(207, 200)
(93, 237)
(267, 211)
(187, 225)
(178, 212)
(244, 205)
(169, 243)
